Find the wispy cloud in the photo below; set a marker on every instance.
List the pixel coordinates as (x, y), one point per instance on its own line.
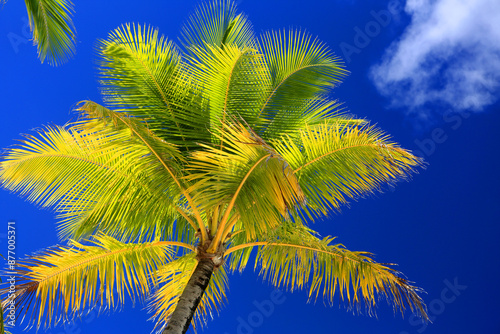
(449, 54)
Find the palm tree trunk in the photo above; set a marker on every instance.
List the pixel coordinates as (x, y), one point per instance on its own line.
(191, 296)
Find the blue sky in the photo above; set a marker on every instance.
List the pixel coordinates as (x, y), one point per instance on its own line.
(427, 72)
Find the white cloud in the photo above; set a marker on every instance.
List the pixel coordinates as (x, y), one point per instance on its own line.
(449, 54)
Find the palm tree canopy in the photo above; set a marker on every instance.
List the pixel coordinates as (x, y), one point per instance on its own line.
(226, 144)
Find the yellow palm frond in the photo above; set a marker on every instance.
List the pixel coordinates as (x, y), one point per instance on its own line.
(293, 258)
(100, 178)
(66, 280)
(335, 162)
(173, 278)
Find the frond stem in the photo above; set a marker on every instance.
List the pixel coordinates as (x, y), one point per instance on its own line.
(183, 214)
(221, 227)
(263, 243)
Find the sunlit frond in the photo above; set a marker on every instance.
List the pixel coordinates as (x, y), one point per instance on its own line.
(216, 23)
(249, 175)
(173, 278)
(301, 68)
(163, 156)
(337, 162)
(141, 73)
(98, 179)
(53, 30)
(62, 282)
(295, 259)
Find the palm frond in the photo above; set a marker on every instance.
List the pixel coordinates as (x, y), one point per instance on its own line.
(300, 68)
(307, 113)
(173, 278)
(165, 156)
(337, 162)
(53, 30)
(67, 280)
(294, 259)
(97, 178)
(247, 175)
(233, 81)
(141, 73)
(216, 23)
(2, 327)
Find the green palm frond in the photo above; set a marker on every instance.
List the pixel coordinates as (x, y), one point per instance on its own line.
(53, 30)
(249, 175)
(161, 154)
(216, 23)
(97, 178)
(141, 73)
(2, 327)
(67, 280)
(295, 259)
(173, 278)
(335, 162)
(307, 113)
(2, 324)
(233, 81)
(301, 68)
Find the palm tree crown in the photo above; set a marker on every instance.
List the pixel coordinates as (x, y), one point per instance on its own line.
(199, 155)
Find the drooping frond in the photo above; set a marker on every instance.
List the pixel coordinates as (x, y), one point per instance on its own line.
(142, 73)
(97, 178)
(53, 30)
(248, 175)
(163, 155)
(300, 68)
(173, 278)
(216, 23)
(233, 81)
(62, 282)
(295, 259)
(335, 162)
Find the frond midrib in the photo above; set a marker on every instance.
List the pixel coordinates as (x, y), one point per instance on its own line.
(125, 250)
(127, 176)
(282, 81)
(264, 243)
(44, 19)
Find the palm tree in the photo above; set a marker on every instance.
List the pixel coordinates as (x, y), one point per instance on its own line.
(52, 28)
(199, 157)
